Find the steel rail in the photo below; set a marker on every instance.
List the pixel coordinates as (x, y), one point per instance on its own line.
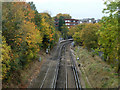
(66, 73)
(45, 77)
(55, 77)
(75, 72)
(57, 67)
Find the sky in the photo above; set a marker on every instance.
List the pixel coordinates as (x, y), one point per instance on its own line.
(78, 9)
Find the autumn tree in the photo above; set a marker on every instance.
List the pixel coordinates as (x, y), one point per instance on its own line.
(61, 17)
(25, 32)
(76, 28)
(66, 16)
(88, 35)
(49, 33)
(108, 33)
(6, 59)
(77, 38)
(20, 33)
(85, 34)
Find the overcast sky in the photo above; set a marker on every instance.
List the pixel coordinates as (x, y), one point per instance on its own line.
(78, 9)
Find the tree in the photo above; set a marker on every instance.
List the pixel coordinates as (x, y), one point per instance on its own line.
(66, 16)
(20, 32)
(85, 34)
(88, 35)
(25, 32)
(64, 31)
(6, 59)
(77, 38)
(76, 28)
(47, 28)
(108, 33)
(61, 23)
(61, 18)
(32, 6)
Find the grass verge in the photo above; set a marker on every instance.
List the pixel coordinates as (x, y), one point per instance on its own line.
(95, 72)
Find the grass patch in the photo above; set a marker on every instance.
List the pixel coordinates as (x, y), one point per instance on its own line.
(85, 80)
(99, 73)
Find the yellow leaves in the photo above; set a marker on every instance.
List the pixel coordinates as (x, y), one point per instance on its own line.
(22, 33)
(27, 37)
(31, 34)
(24, 21)
(6, 59)
(29, 41)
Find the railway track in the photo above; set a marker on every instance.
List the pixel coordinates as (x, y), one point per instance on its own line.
(76, 75)
(50, 78)
(60, 71)
(67, 74)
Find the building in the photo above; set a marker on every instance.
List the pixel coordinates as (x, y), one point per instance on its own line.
(68, 22)
(71, 22)
(89, 20)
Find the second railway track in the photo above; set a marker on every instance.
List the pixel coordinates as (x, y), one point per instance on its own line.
(67, 75)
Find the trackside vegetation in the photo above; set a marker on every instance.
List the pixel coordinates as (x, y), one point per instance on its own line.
(103, 36)
(24, 33)
(27, 34)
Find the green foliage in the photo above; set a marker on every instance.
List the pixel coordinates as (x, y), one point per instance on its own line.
(85, 34)
(6, 58)
(89, 37)
(112, 7)
(102, 36)
(49, 34)
(109, 34)
(76, 28)
(66, 16)
(61, 24)
(77, 38)
(64, 31)
(26, 31)
(21, 34)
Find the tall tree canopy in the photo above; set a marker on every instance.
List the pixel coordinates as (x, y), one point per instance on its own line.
(61, 20)
(66, 16)
(25, 32)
